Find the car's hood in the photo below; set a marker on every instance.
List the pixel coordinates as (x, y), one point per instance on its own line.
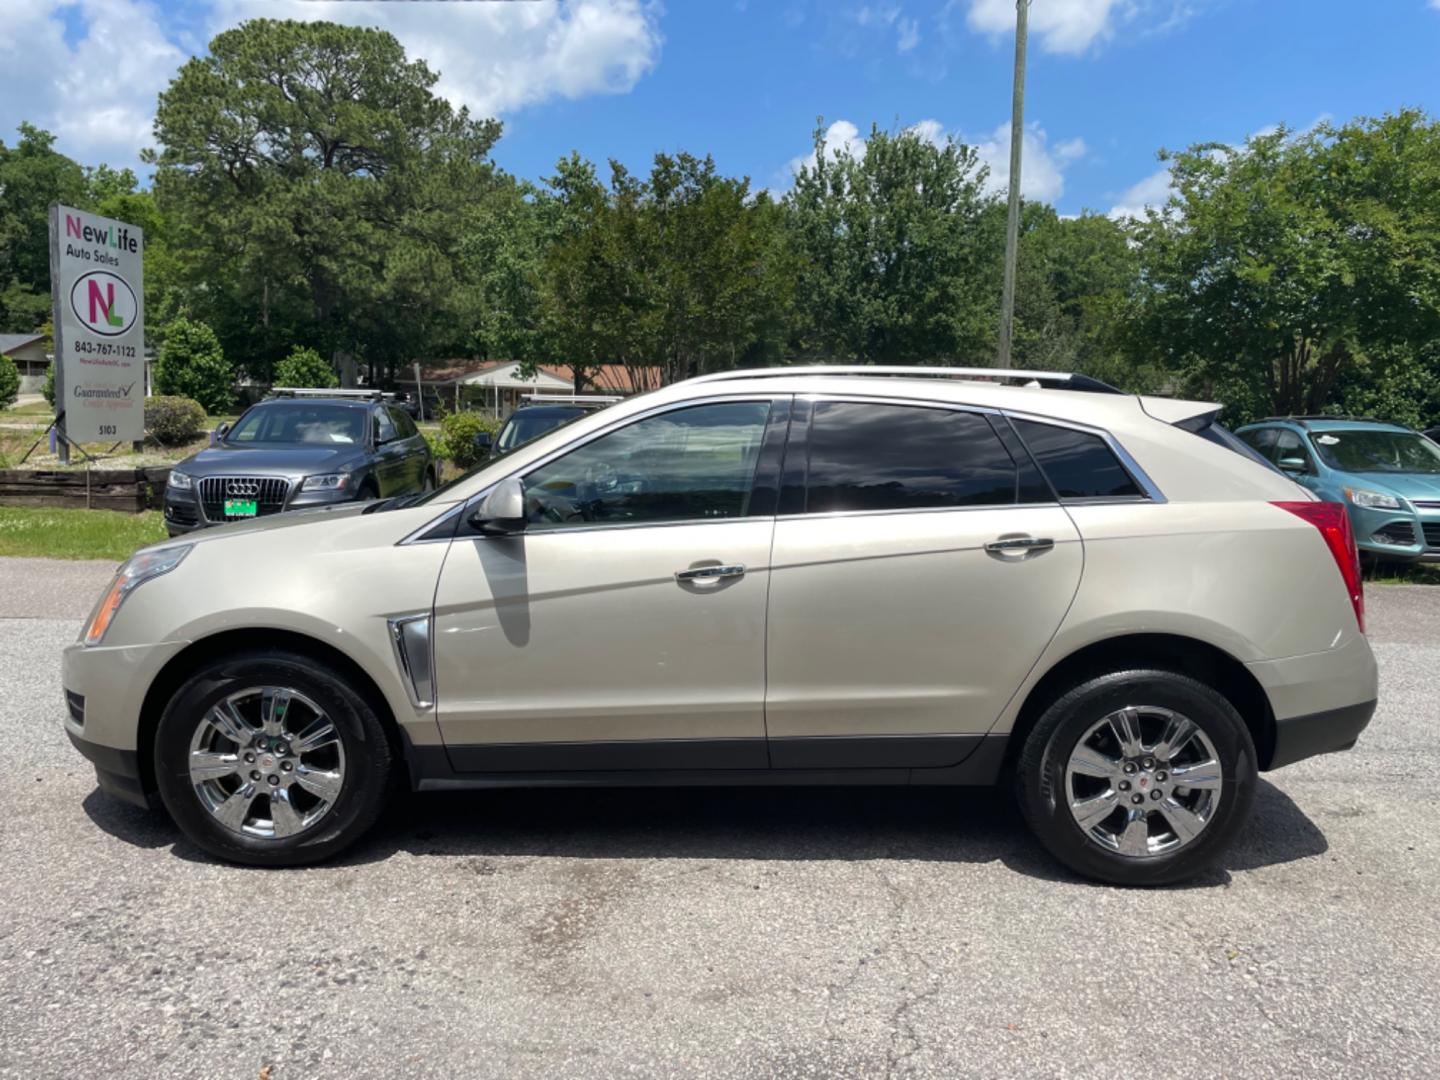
(291, 519)
(275, 460)
(1425, 486)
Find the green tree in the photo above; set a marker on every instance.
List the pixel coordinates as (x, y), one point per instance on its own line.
(307, 368)
(897, 258)
(191, 364)
(316, 185)
(1281, 268)
(9, 381)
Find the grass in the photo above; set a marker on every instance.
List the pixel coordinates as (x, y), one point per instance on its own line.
(40, 408)
(14, 443)
(1401, 574)
(76, 534)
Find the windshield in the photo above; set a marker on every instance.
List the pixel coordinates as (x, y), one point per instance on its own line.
(522, 427)
(1378, 451)
(300, 422)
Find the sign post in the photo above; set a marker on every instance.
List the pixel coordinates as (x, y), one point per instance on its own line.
(97, 288)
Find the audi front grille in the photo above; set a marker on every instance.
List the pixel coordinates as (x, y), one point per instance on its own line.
(269, 493)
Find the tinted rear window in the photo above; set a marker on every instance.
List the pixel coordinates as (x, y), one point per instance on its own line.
(897, 457)
(1078, 464)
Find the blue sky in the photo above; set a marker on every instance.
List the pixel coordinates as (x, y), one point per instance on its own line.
(1111, 81)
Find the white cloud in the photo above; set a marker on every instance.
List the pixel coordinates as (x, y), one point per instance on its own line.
(499, 57)
(841, 136)
(96, 97)
(1042, 167)
(97, 92)
(1152, 192)
(1042, 173)
(1073, 26)
(888, 17)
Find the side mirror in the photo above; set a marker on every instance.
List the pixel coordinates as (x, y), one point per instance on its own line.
(219, 433)
(503, 510)
(1292, 464)
(482, 440)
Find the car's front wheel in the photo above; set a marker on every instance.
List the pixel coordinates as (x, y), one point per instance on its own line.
(1138, 777)
(270, 758)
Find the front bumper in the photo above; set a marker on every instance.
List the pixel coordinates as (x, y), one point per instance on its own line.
(1411, 535)
(1301, 737)
(117, 772)
(184, 511)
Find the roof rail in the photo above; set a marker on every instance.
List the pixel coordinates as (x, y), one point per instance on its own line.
(315, 391)
(1322, 416)
(571, 399)
(1057, 380)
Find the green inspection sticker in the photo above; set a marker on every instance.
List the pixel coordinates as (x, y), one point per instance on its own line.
(240, 508)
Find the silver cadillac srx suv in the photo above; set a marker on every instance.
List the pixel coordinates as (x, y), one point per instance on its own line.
(833, 575)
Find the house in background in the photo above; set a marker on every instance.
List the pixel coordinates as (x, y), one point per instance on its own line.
(31, 359)
(496, 387)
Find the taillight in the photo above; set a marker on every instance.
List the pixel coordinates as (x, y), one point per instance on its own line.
(1334, 524)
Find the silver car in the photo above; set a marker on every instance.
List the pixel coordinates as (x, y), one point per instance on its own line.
(824, 575)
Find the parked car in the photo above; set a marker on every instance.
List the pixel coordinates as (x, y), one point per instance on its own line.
(1433, 434)
(544, 414)
(1386, 475)
(836, 576)
(299, 453)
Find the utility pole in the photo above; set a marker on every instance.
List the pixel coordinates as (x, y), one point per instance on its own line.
(1012, 221)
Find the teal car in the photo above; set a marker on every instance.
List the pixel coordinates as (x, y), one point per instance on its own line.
(1387, 475)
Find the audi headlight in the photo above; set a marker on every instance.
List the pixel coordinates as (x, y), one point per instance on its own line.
(180, 481)
(1374, 500)
(334, 481)
(142, 567)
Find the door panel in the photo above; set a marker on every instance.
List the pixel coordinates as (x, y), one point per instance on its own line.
(904, 624)
(585, 636)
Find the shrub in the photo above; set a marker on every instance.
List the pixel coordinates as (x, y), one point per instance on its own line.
(174, 420)
(9, 381)
(457, 436)
(305, 368)
(47, 388)
(191, 364)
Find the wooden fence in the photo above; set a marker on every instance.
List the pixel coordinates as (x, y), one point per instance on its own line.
(130, 490)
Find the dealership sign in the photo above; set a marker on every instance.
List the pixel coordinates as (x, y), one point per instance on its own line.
(98, 289)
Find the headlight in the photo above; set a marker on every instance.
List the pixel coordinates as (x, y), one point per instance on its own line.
(179, 481)
(1372, 499)
(334, 481)
(141, 568)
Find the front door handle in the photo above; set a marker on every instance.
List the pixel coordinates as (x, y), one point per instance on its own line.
(706, 573)
(1027, 544)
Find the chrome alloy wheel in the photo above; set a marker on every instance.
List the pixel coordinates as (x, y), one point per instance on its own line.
(267, 762)
(1143, 781)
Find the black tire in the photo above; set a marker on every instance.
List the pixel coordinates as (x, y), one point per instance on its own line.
(1041, 774)
(366, 776)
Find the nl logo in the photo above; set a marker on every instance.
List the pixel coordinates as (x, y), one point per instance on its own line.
(104, 302)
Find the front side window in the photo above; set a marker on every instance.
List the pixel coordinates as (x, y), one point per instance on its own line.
(692, 464)
(1289, 447)
(866, 457)
(1079, 465)
(404, 426)
(384, 429)
(1378, 451)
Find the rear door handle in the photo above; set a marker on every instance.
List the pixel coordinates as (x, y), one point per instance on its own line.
(1020, 543)
(706, 573)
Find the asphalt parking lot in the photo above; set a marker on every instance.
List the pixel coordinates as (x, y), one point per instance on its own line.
(715, 932)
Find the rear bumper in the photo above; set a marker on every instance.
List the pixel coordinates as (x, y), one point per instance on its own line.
(116, 771)
(1301, 737)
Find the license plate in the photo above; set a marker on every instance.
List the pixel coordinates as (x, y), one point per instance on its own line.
(240, 508)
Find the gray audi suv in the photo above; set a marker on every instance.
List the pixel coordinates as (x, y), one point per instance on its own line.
(297, 453)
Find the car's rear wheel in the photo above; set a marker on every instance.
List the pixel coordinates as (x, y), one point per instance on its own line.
(271, 759)
(1138, 777)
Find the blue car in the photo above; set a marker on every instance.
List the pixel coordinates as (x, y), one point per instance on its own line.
(1387, 475)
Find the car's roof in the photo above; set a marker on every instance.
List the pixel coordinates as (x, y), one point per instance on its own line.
(552, 410)
(352, 403)
(1328, 423)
